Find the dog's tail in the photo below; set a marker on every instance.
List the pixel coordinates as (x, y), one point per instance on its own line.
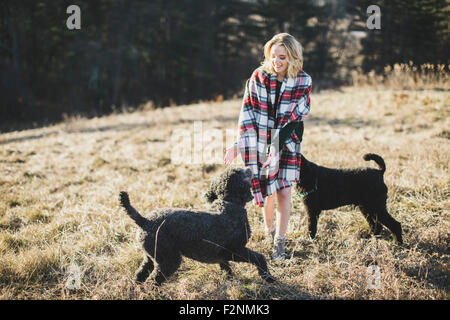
(379, 160)
(132, 212)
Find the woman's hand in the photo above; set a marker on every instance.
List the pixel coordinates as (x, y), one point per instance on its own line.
(272, 160)
(231, 154)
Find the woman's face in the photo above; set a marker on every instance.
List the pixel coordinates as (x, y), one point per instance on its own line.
(278, 56)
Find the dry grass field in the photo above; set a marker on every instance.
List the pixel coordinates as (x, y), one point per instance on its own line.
(60, 215)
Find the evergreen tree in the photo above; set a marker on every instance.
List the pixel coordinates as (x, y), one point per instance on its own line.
(411, 30)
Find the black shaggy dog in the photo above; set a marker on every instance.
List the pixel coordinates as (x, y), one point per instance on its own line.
(210, 237)
(324, 188)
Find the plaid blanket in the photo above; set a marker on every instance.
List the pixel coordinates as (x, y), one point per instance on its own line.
(255, 129)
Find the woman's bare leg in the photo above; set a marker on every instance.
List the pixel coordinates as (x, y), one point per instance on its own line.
(284, 211)
(268, 211)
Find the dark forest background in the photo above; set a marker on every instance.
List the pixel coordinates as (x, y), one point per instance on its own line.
(178, 52)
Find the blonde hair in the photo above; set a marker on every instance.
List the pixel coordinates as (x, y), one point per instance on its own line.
(294, 54)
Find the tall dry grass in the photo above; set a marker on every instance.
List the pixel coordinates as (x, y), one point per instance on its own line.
(406, 76)
(60, 216)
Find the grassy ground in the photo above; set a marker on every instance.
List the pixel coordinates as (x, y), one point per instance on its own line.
(60, 216)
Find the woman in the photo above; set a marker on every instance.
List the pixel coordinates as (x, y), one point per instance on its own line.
(275, 102)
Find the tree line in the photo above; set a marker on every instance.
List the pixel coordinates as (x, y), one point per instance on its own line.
(176, 52)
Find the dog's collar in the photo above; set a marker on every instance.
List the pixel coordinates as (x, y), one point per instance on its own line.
(304, 194)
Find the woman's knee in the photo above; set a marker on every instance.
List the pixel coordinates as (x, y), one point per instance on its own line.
(284, 195)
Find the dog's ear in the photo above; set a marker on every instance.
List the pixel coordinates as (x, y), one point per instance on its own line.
(210, 196)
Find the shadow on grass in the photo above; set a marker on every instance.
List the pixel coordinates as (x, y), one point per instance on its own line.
(436, 269)
(284, 291)
(117, 128)
(277, 290)
(313, 121)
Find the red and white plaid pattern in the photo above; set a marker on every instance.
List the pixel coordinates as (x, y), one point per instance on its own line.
(294, 105)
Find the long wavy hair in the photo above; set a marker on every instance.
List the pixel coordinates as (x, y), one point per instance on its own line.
(294, 54)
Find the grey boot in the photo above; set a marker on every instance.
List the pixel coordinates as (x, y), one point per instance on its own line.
(279, 252)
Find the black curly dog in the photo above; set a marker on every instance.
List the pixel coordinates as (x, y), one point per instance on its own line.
(324, 188)
(210, 237)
